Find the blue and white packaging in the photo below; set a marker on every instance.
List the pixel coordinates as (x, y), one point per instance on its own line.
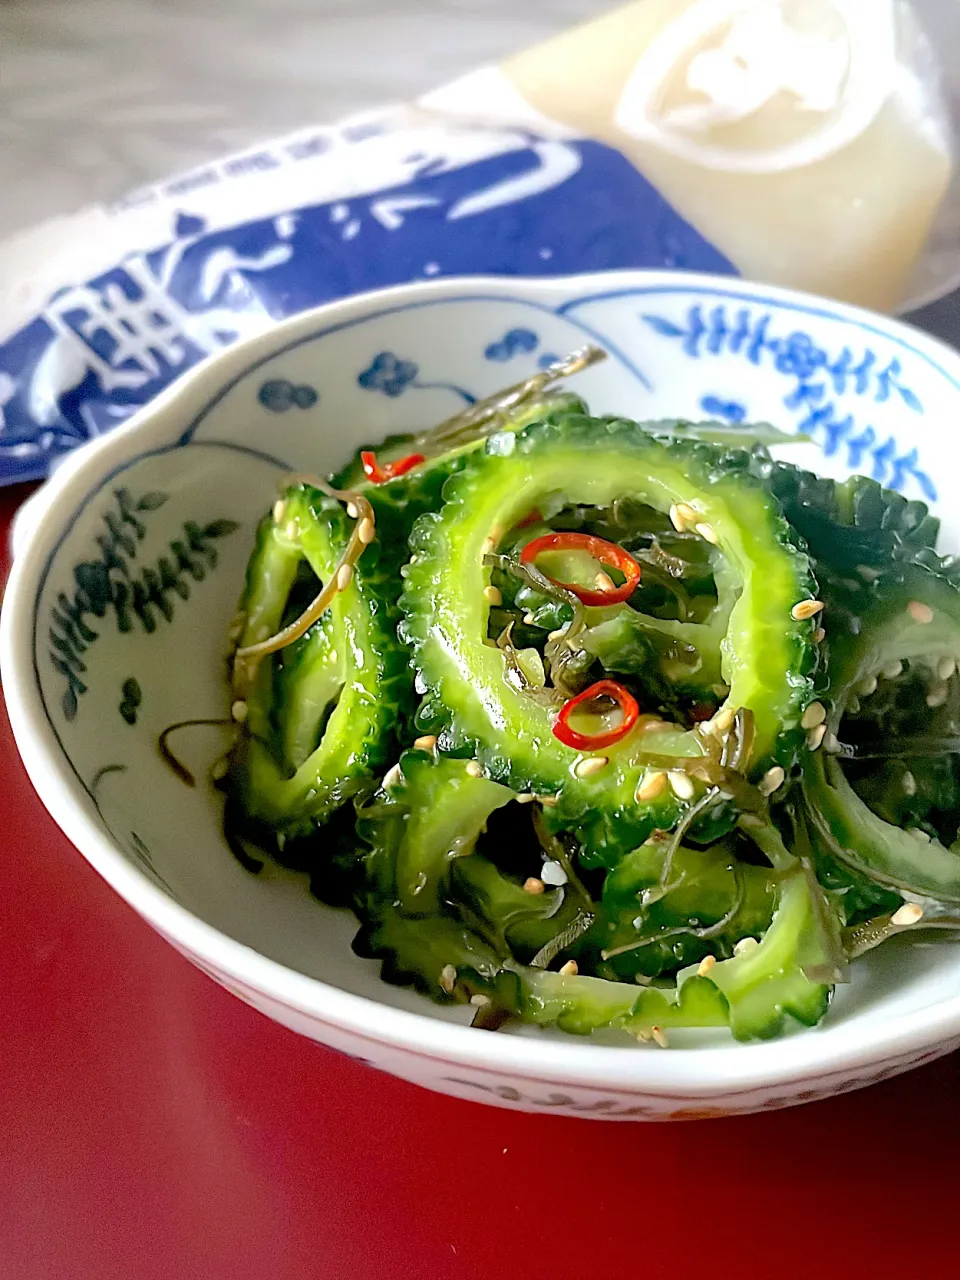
(803, 142)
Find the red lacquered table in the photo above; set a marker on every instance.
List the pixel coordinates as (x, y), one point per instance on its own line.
(152, 1127)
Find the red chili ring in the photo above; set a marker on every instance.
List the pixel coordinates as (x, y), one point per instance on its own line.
(378, 473)
(603, 552)
(624, 699)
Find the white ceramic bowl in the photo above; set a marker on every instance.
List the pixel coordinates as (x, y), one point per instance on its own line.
(128, 568)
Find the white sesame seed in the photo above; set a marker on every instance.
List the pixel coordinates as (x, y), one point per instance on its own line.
(723, 721)
(479, 1000)
(352, 511)
(652, 786)
(706, 964)
(771, 781)
(909, 913)
(686, 513)
(344, 576)
(529, 620)
(938, 694)
(239, 711)
(292, 530)
(219, 770)
(651, 724)
(868, 686)
(707, 533)
(920, 612)
(603, 582)
(473, 769)
(551, 802)
(525, 797)
(660, 1036)
(892, 670)
(681, 784)
(676, 519)
(816, 736)
(279, 511)
(492, 595)
(819, 635)
(569, 969)
(946, 668)
(533, 885)
(553, 874)
(393, 777)
(645, 1035)
(448, 978)
(556, 635)
(815, 714)
(909, 783)
(426, 743)
(745, 945)
(806, 609)
(366, 531)
(590, 765)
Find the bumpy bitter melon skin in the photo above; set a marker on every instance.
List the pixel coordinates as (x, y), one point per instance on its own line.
(445, 904)
(290, 770)
(396, 446)
(433, 906)
(909, 614)
(853, 523)
(768, 656)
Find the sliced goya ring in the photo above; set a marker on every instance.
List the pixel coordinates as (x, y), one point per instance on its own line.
(767, 651)
(395, 447)
(451, 934)
(851, 525)
(320, 715)
(908, 617)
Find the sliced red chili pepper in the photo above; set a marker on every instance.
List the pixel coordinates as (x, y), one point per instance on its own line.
(380, 473)
(533, 518)
(604, 552)
(629, 710)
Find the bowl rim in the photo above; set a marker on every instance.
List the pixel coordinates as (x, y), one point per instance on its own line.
(827, 1052)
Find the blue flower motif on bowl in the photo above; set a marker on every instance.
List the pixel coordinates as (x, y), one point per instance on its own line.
(514, 342)
(279, 394)
(798, 355)
(388, 374)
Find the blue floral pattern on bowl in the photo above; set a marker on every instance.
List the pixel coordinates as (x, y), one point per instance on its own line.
(820, 379)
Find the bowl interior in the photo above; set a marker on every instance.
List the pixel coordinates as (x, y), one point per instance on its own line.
(141, 569)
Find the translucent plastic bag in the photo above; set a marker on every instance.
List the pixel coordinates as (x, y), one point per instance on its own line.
(802, 142)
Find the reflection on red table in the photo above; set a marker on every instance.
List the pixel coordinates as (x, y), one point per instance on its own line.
(152, 1127)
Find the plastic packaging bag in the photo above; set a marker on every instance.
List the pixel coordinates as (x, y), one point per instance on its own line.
(802, 142)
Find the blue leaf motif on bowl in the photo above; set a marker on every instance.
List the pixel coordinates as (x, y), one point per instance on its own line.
(729, 410)
(514, 342)
(388, 374)
(819, 378)
(119, 585)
